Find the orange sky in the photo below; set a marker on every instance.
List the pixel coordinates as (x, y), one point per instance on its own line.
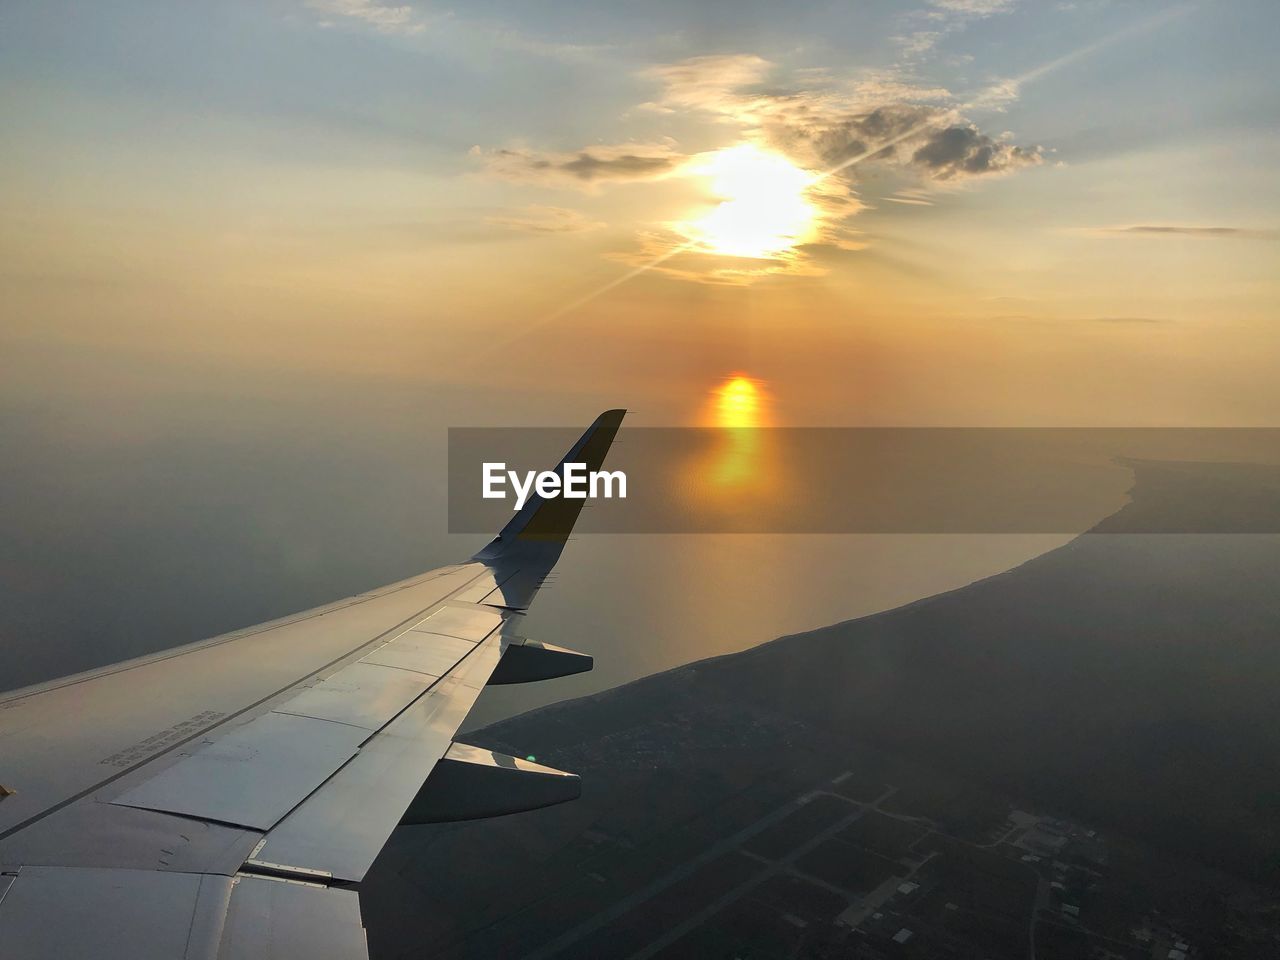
(1019, 242)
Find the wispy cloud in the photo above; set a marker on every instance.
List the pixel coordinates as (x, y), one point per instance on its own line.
(917, 197)
(481, 32)
(1182, 230)
(1127, 320)
(510, 38)
(748, 90)
(583, 168)
(925, 29)
(708, 83)
(388, 18)
(660, 251)
(976, 8)
(537, 218)
(1032, 318)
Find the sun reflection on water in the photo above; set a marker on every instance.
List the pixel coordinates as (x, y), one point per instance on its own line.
(735, 474)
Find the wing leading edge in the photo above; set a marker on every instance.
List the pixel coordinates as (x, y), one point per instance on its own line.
(224, 799)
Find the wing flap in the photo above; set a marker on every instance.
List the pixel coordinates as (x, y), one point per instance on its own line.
(425, 653)
(361, 694)
(117, 914)
(108, 914)
(341, 828)
(252, 776)
(465, 622)
(281, 920)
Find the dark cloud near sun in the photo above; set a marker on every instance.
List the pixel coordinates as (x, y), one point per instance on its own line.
(919, 138)
(828, 139)
(964, 151)
(582, 168)
(873, 118)
(624, 166)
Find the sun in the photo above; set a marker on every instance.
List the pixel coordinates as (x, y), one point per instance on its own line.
(738, 402)
(763, 207)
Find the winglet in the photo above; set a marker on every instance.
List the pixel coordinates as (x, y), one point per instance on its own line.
(551, 521)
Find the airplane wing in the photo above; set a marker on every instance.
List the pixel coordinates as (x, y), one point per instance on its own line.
(223, 800)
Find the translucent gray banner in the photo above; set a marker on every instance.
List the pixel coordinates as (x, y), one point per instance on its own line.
(892, 480)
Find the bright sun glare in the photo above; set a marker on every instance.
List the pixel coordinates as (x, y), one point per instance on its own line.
(764, 209)
(738, 403)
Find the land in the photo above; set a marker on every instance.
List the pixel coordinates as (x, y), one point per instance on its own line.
(1074, 759)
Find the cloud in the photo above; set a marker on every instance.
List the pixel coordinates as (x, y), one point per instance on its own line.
(827, 125)
(830, 137)
(384, 17)
(975, 8)
(929, 142)
(743, 89)
(1055, 320)
(919, 42)
(962, 151)
(1160, 230)
(926, 29)
(509, 38)
(708, 83)
(822, 124)
(1127, 320)
(917, 197)
(818, 122)
(536, 218)
(583, 168)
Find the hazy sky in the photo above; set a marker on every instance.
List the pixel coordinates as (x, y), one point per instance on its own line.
(256, 257)
(1059, 213)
